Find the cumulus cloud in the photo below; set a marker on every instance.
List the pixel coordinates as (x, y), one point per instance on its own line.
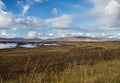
(61, 22)
(9, 20)
(30, 35)
(34, 34)
(28, 22)
(5, 20)
(5, 17)
(108, 12)
(3, 32)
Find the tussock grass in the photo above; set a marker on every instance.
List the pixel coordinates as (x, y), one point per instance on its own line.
(102, 72)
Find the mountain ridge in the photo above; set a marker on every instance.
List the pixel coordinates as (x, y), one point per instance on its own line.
(61, 39)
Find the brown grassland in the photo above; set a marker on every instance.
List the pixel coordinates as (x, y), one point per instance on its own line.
(70, 62)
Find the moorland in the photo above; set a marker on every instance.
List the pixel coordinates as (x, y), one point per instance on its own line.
(69, 62)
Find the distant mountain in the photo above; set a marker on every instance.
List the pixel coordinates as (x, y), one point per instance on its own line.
(75, 39)
(20, 40)
(62, 39)
(2, 38)
(11, 38)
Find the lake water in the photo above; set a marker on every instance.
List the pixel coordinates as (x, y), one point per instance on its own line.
(13, 45)
(29, 46)
(51, 44)
(7, 45)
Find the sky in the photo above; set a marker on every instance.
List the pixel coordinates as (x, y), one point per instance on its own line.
(59, 18)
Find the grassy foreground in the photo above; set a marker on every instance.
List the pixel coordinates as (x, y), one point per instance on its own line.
(102, 72)
(71, 62)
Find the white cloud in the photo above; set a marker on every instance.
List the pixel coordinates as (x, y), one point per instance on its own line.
(32, 34)
(25, 9)
(55, 11)
(108, 12)
(5, 17)
(34, 1)
(27, 4)
(1, 5)
(112, 13)
(61, 22)
(39, 1)
(5, 20)
(28, 22)
(11, 21)
(3, 32)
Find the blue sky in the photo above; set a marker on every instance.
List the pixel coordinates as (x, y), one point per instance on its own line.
(59, 18)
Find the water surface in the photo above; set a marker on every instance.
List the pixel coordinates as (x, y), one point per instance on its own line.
(7, 45)
(13, 45)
